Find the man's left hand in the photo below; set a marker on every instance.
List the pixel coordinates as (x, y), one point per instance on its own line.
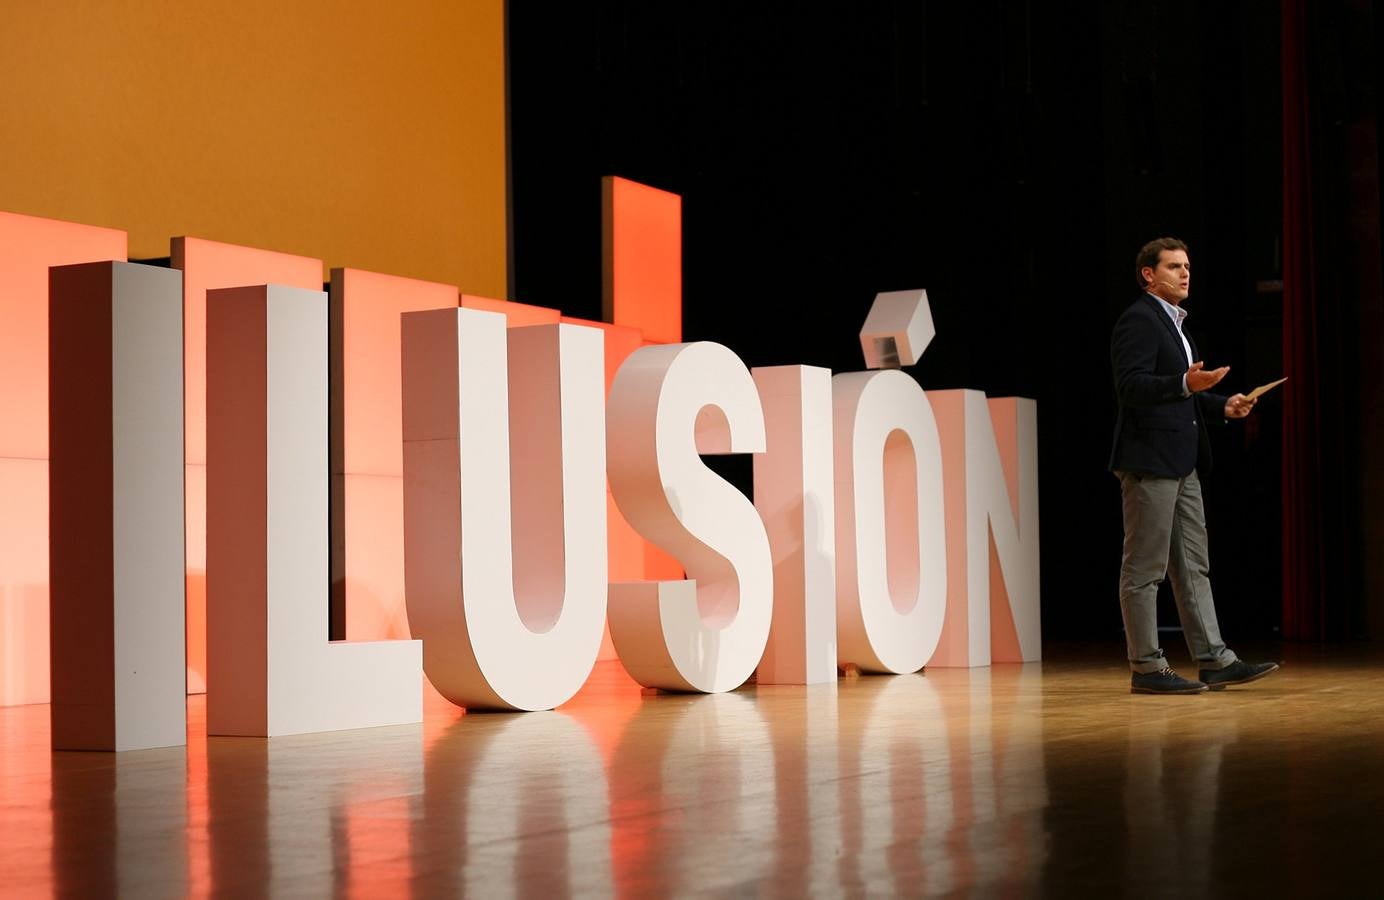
(1238, 406)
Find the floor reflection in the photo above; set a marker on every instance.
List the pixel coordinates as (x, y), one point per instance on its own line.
(1027, 780)
(313, 813)
(119, 824)
(1171, 791)
(513, 806)
(692, 788)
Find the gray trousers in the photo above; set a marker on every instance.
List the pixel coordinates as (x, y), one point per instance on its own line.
(1165, 534)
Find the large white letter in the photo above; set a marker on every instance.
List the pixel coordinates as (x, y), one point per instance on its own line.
(991, 454)
(891, 575)
(669, 403)
(270, 667)
(116, 439)
(505, 623)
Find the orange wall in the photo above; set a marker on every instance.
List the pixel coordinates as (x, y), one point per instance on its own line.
(364, 134)
(360, 134)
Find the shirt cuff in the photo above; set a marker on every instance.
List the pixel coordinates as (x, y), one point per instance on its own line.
(1185, 392)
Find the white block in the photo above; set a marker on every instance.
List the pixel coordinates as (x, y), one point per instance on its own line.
(897, 329)
(793, 491)
(668, 404)
(270, 667)
(891, 539)
(116, 507)
(504, 625)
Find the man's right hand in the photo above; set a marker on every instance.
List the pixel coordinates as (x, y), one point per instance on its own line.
(1199, 379)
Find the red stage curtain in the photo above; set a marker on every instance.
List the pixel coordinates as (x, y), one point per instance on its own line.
(1325, 292)
(1304, 613)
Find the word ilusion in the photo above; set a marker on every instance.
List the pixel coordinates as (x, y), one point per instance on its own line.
(891, 528)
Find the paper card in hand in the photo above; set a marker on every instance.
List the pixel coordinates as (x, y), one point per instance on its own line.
(1264, 389)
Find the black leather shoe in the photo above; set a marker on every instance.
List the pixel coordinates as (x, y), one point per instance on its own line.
(1164, 681)
(1238, 672)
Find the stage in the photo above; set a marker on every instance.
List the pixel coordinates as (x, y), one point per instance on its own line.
(1040, 779)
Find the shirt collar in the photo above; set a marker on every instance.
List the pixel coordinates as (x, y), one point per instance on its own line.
(1176, 312)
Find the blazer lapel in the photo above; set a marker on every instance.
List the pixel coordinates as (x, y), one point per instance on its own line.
(1162, 315)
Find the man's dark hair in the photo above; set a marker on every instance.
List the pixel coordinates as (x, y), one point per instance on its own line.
(1149, 253)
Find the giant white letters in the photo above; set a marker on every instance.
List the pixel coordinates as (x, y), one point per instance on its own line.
(850, 549)
(668, 404)
(505, 623)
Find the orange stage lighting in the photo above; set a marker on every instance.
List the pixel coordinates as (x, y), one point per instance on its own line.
(642, 259)
(28, 246)
(367, 449)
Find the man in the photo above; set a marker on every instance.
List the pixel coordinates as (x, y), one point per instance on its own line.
(1165, 403)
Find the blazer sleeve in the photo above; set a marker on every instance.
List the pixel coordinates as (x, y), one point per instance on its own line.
(1212, 407)
(1134, 357)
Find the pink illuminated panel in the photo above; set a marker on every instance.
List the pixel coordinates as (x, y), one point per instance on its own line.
(642, 237)
(208, 265)
(367, 454)
(28, 247)
(369, 305)
(517, 315)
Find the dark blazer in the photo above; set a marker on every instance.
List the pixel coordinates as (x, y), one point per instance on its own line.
(1158, 430)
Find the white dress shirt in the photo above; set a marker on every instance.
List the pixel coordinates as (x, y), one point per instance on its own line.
(1177, 314)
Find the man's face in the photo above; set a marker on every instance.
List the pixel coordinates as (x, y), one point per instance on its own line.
(1171, 278)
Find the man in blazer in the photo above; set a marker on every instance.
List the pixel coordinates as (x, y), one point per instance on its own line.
(1165, 405)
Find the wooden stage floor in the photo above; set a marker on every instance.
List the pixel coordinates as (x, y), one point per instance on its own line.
(1041, 780)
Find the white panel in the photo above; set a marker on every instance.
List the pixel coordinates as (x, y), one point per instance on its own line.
(668, 403)
(890, 605)
(793, 491)
(147, 506)
(504, 626)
